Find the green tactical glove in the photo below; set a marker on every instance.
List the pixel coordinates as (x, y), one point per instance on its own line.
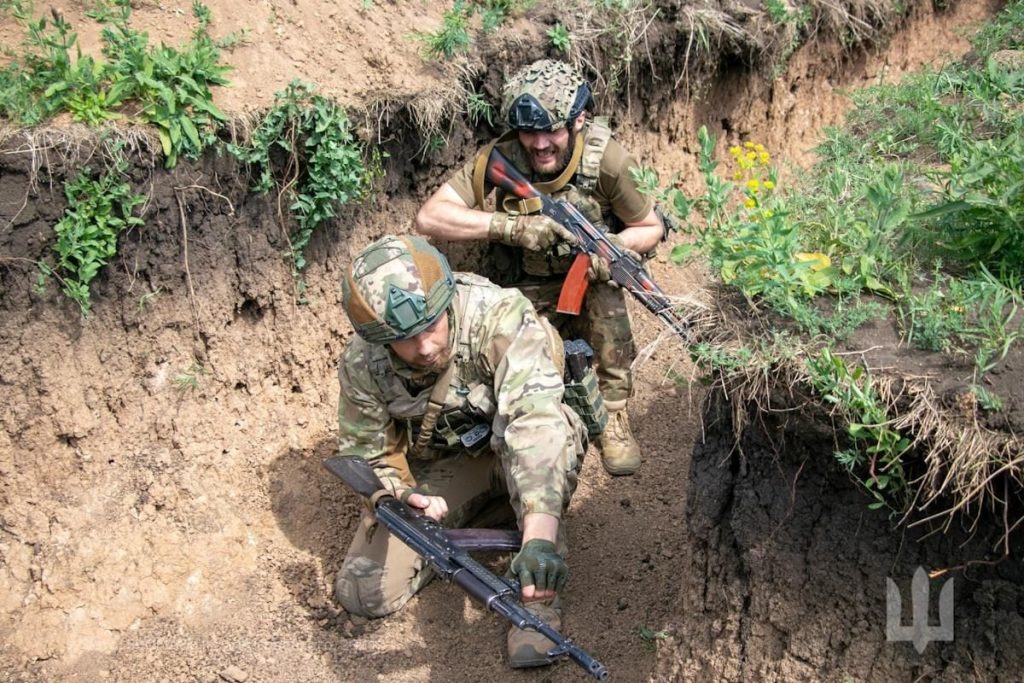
(598, 271)
(539, 564)
(529, 231)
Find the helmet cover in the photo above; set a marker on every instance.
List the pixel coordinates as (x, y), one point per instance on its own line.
(395, 288)
(545, 96)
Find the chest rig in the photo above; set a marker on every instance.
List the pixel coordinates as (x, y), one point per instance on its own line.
(467, 404)
(577, 184)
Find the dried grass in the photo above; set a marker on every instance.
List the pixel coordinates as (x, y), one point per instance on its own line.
(969, 469)
(608, 40)
(856, 22)
(75, 145)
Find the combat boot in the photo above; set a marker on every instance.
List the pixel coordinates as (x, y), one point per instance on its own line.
(528, 648)
(620, 453)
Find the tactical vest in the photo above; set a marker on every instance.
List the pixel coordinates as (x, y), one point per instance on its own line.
(578, 183)
(464, 423)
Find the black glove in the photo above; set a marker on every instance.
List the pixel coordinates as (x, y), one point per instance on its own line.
(539, 564)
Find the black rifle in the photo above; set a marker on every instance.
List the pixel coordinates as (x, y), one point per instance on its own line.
(625, 270)
(448, 554)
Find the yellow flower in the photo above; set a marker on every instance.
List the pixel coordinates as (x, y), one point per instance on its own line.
(751, 155)
(759, 148)
(769, 185)
(735, 151)
(818, 260)
(737, 175)
(753, 185)
(763, 157)
(767, 214)
(750, 203)
(748, 144)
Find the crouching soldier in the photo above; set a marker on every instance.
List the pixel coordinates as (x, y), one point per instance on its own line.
(453, 391)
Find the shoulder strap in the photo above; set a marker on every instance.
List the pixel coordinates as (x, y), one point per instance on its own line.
(439, 393)
(480, 168)
(549, 187)
(598, 135)
(435, 404)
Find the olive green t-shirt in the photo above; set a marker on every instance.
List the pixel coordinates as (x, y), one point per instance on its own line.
(616, 193)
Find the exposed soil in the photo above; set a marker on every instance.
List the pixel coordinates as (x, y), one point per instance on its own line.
(149, 531)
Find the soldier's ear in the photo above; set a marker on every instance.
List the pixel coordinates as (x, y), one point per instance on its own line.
(580, 120)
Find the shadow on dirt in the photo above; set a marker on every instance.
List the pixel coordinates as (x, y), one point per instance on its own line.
(626, 538)
(787, 580)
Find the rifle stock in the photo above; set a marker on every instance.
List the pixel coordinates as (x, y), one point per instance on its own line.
(451, 561)
(625, 270)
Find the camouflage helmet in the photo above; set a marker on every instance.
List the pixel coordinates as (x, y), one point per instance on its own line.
(545, 96)
(396, 288)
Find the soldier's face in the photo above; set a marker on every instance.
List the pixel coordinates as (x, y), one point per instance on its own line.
(428, 349)
(548, 152)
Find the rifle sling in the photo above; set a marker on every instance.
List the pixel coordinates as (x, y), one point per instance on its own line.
(434, 406)
(533, 204)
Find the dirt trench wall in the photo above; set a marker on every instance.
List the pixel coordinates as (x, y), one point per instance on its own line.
(787, 576)
(126, 494)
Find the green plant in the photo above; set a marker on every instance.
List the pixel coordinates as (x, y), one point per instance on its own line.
(148, 298)
(493, 13)
(324, 166)
(477, 108)
(172, 86)
(747, 233)
(452, 38)
(960, 315)
(987, 400)
(560, 38)
(1006, 31)
(879, 447)
(433, 144)
(649, 637)
(189, 379)
(834, 318)
(99, 209)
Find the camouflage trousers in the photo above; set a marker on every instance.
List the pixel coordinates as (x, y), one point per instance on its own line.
(380, 573)
(603, 323)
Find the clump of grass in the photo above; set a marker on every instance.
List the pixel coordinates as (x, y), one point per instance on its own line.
(171, 86)
(453, 38)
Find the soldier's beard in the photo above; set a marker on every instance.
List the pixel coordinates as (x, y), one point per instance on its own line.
(548, 165)
(435, 364)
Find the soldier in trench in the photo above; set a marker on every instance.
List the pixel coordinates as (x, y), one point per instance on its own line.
(478, 362)
(564, 154)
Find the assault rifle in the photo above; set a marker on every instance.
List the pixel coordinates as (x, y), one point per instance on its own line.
(447, 552)
(625, 270)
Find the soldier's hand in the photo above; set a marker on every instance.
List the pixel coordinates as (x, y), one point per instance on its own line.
(529, 231)
(599, 272)
(434, 507)
(540, 569)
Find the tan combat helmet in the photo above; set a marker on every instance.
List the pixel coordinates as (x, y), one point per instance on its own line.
(396, 288)
(545, 96)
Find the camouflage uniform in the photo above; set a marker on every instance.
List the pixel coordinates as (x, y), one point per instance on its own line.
(508, 380)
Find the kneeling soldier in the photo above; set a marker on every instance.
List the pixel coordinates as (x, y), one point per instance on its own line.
(453, 392)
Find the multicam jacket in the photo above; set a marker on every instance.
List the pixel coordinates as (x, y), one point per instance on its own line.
(507, 378)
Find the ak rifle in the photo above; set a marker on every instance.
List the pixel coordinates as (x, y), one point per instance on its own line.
(447, 552)
(625, 270)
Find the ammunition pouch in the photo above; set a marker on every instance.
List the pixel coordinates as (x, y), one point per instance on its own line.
(581, 390)
(455, 431)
